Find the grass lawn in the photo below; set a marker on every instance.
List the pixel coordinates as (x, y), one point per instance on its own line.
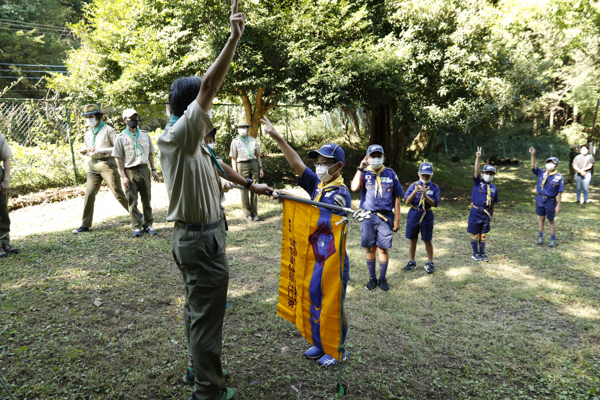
(523, 326)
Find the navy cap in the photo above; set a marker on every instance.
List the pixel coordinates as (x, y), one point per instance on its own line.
(330, 150)
(375, 148)
(489, 168)
(552, 159)
(426, 168)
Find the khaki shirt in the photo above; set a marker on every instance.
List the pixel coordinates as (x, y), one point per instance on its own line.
(125, 149)
(105, 140)
(4, 149)
(191, 178)
(239, 151)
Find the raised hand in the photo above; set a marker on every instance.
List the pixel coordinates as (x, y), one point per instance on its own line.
(479, 151)
(270, 129)
(365, 162)
(237, 21)
(532, 150)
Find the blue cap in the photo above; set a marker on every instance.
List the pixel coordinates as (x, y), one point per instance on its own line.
(552, 159)
(330, 150)
(489, 168)
(426, 168)
(374, 148)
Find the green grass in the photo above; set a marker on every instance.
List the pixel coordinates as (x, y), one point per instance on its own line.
(524, 326)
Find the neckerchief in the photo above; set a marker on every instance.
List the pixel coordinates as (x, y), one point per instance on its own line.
(339, 181)
(172, 121)
(378, 187)
(546, 175)
(136, 144)
(95, 132)
(419, 185)
(245, 141)
(488, 198)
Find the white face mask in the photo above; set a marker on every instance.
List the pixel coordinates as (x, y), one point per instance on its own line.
(91, 121)
(584, 151)
(243, 132)
(550, 166)
(487, 177)
(376, 163)
(323, 172)
(211, 145)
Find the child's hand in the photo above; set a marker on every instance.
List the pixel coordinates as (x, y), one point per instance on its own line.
(532, 150)
(396, 225)
(237, 21)
(364, 163)
(557, 208)
(479, 150)
(270, 129)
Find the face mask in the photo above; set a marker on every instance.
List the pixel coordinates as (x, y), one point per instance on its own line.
(211, 145)
(243, 131)
(487, 177)
(132, 123)
(584, 151)
(323, 173)
(550, 166)
(91, 121)
(376, 163)
(425, 182)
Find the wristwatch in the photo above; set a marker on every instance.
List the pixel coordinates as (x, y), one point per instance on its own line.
(250, 182)
(360, 169)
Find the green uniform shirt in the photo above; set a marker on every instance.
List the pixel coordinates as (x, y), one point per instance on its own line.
(4, 149)
(239, 151)
(125, 149)
(191, 178)
(105, 140)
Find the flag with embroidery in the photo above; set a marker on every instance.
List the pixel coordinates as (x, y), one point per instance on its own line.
(310, 287)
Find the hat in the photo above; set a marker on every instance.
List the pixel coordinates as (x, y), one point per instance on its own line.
(130, 112)
(241, 123)
(426, 168)
(330, 150)
(375, 148)
(552, 159)
(212, 133)
(90, 109)
(489, 168)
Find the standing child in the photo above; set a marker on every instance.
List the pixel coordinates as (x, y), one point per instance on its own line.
(550, 185)
(5, 155)
(421, 196)
(380, 192)
(484, 197)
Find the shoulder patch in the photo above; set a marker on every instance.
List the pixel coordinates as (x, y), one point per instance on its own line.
(339, 200)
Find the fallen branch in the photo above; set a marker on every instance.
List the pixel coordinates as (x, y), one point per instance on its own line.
(51, 196)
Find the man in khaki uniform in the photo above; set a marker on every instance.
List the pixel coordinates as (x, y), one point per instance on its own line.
(245, 159)
(98, 145)
(191, 172)
(5, 155)
(134, 151)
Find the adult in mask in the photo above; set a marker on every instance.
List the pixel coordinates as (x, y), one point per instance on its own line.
(134, 151)
(583, 164)
(98, 144)
(245, 159)
(324, 185)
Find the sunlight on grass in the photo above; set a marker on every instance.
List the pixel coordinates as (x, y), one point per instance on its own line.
(457, 274)
(587, 312)
(528, 279)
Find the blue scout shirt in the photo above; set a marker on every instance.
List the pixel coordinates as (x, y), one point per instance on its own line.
(479, 195)
(379, 195)
(433, 192)
(554, 183)
(335, 195)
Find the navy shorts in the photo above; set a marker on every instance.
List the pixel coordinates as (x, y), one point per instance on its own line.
(375, 231)
(479, 222)
(425, 227)
(545, 206)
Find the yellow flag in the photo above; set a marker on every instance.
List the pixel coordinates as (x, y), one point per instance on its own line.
(310, 287)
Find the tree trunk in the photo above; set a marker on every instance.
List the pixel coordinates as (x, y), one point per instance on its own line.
(261, 106)
(366, 117)
(381, 133)
(344, 123)
(400, 137)
(575, 112)
(351, 112)
(419, 144)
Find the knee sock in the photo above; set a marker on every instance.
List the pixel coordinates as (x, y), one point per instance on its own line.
(482, 247)
(344, 333)
(371, 267)
(474, 245)
(541, 234)
(382, 269)
(553, 237)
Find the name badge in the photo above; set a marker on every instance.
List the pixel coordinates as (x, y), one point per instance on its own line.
(492, 190)
(429, 192)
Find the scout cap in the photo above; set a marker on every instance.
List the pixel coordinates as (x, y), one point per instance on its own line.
(489, 168)
(426, 168)
(130, 112)
(330, 150)
(241, 123)
(553, 159)
(90, 109)
(374, 148)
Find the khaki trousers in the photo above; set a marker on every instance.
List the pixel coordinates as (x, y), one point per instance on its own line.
(139, 182)
(200, 257)
(249, 170)
(101, 169)
(4, 218)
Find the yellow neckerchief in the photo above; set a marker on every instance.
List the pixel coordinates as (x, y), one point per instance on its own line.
(422, 199)
(378, 187)
(339, 181)
(546, 175)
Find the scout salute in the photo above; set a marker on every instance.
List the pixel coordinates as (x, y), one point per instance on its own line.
(245, 159)
(483, 197)
(191, 173)
(98, 145)
(5, 155)
(550, 186)
(380, 192)
(326, 186)
(134, 151)
(421, 196)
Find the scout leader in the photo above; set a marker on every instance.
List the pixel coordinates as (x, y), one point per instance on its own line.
(380, 192)
(191, 172)
(550, 185)
(98, 145)
(5, 155)
(134, 151)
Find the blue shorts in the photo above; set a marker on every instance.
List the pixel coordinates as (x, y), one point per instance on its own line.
(346, 272)
(545, 206)
(425, 227)
(479, 221)
(375, 231)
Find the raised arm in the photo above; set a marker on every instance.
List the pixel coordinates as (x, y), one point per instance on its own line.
(532, 151)
(477, 158)
(215, 75)
(233, 176)
(290, 154)
(355, 184)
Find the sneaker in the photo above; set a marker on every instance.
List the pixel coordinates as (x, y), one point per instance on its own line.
(150, 230)
(313, 353)
(552, 243)
(9, 249)
(410, 266)
(137, 233)
(257, 218)
(476, 257)
(372, 284)
(327, 361)
(383, 285)
(80, 229)
(540, 240)
(429, 267)
(484, 257)
(3, 253)
(190, 376)
(249, 218)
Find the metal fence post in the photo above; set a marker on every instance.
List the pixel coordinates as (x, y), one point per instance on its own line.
(71, 144)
